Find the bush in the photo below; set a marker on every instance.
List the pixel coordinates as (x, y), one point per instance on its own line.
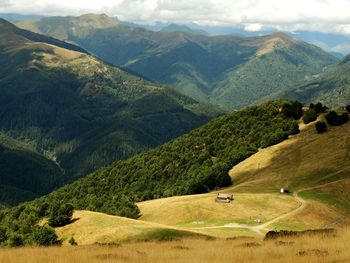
(72, 241)
(319, 108)
(321, 126)
(310, 116)
(45, 236)
(335, 120)
(347, 108)
(60, 215)
(15, 240)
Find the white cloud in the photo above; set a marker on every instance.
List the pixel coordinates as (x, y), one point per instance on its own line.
(253, 27)
(323, 15)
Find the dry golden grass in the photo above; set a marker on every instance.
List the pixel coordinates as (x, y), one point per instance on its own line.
(92, 227)
(294, 162)
(305, 160)
(202, 210)
(307, 248)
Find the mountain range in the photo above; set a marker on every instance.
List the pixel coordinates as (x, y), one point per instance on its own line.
(80, 112)
(227, 70)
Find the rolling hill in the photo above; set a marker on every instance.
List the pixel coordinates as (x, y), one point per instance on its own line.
(227, 70)
(79, 111)
(331, 87)
(318, 178)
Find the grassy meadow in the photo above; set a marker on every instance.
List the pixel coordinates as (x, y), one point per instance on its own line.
(305, 248)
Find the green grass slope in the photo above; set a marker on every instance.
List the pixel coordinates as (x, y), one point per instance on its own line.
(227, 70)
(79, 111)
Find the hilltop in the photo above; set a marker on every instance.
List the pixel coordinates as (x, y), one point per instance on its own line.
(81, 112)
(227, 70)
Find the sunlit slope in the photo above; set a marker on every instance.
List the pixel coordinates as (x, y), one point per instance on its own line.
(92, 227)
(257, 201)
(315, 162)
(197, 211)
(305, 160)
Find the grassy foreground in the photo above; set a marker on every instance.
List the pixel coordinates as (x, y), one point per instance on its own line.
(306, 248)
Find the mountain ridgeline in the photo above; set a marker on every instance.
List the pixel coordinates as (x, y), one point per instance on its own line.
(80, 112)
(227, 70)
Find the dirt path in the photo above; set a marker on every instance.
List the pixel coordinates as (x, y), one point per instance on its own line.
(264, 227)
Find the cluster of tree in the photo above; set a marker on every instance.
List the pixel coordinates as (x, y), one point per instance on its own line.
(194, 163)
(334, 119)
(312, 113)
(22, 225)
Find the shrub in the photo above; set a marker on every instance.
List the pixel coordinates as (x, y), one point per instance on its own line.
(310, 116)
(15, 240)
(72, 241)
(335, 120)
(321, 126)
(45, 236)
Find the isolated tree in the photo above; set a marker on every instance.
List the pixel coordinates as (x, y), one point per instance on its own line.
(321, 126)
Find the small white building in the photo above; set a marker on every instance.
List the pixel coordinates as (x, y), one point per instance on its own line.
(224, 198)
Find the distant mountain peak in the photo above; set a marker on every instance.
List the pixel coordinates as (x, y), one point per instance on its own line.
(276, 41)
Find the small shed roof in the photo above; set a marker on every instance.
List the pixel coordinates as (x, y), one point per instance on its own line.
(221, 195)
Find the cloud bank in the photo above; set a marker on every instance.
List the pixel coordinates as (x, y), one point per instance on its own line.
(253, 15)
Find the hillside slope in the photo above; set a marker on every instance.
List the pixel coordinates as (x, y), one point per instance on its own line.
(228, 70)
(320, 177)
(194, 163)
(331, 87)
(79, 111)
(24, 173)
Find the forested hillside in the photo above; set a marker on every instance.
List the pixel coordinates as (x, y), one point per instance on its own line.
(331, 87)
(24, 173)
(79, 111)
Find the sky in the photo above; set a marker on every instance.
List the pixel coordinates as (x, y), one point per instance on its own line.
(253, 15)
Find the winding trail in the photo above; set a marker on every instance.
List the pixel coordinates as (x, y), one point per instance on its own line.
(259, 229)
